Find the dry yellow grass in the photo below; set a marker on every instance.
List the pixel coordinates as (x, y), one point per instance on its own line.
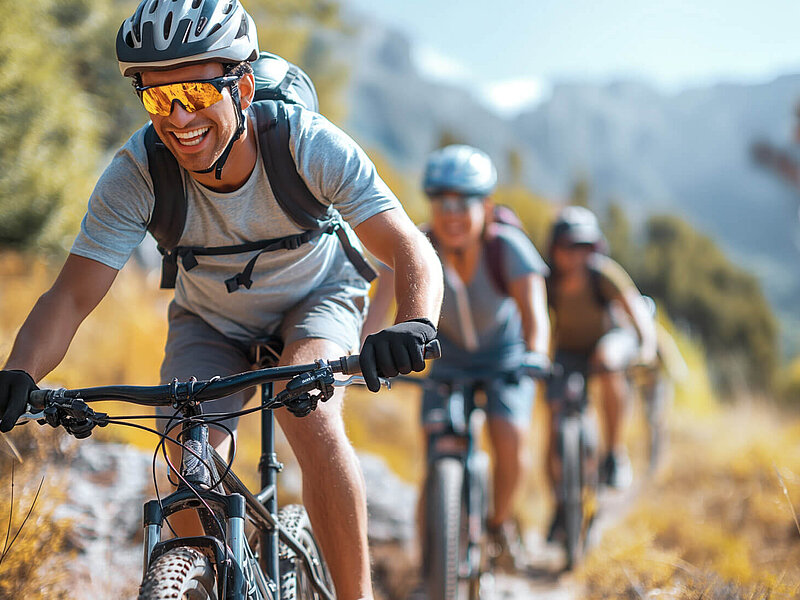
(27, 570)
(717, 523)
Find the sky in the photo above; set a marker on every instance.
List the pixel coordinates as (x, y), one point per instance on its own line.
(512, 51)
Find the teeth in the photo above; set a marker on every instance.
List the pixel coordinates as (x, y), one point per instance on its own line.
(191, 138)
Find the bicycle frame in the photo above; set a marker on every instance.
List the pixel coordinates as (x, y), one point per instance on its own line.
(261, 509)
(576, 449)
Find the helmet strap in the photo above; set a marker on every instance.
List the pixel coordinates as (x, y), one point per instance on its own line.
(220, 162)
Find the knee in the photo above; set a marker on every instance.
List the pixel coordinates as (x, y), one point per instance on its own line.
(319, 437)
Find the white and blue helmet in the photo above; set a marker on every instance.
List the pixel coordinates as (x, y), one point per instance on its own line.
(459, 169)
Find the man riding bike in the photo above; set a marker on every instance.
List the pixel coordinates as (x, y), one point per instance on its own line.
(190, 64)
(601, 325)
(484, 329)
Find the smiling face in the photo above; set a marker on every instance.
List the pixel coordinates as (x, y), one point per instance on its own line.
(571, 258)
(196, 139)
(457, 222)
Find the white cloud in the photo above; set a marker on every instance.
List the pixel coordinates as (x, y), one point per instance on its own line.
(506, 97)
(432, 63)
(510, 96)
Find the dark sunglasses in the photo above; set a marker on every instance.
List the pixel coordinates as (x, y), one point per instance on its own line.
(193, 95)
(454, 203)
(572, 246)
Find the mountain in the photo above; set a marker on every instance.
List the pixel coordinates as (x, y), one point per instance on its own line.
(685, 153)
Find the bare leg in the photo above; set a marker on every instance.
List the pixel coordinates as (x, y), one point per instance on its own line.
(509, 465)
(614, 390)
(334, 492)
(552, 463)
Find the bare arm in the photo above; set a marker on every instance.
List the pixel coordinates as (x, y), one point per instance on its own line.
(47, 332)
(394, 239)
(530, 297)
(380, 303)
(631, 301)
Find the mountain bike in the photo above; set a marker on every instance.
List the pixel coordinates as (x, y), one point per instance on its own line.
(576, 437)
(250, 550)
(456, 489)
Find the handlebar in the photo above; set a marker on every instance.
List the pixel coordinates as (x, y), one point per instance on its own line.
(200, 391)
(538, 371)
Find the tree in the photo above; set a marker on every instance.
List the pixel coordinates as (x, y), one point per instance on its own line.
(617, 229)
(48, 132)
(721, 302)
(581, 192)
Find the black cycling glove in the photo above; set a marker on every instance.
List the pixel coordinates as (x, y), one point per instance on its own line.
(15, 386)
(396, 349)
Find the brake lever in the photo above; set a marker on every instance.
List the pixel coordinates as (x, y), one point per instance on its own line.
(359, 380)
(29, 415)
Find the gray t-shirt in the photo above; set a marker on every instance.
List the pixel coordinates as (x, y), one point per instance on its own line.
(334, 168)
(496, 319)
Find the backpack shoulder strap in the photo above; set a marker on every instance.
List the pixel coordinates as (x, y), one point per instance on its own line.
(169, 209)
(289, 189)
(291, 192)
(494, 253)
(596, 283)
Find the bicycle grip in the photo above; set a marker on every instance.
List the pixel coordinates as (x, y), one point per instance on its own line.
(37, 398)
(351, 366)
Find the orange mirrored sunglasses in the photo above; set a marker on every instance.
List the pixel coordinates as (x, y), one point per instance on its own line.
(193, 95)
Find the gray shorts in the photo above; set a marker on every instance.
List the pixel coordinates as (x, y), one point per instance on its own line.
(195, 349)
(509, 400)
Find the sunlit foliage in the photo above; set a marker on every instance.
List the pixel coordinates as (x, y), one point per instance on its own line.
(48, 130)
(704, 291)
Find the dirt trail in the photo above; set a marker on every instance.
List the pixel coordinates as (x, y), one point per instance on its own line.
(544, 580)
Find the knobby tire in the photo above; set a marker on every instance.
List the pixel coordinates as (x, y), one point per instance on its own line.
(295, 582)
(180, 574)
(572, 485)
(443, 521)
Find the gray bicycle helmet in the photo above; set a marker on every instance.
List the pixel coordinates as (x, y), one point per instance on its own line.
(459, 169)
(577, 225)
(163, 34)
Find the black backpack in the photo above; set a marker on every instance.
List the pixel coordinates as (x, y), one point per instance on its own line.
(277, 82)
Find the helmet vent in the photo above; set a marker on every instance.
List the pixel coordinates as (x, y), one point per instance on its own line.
(196, 3)
(214, 29)
(153, 7)
(167, 24)
(228, 8)
(242, 28)
(129, 40)
(201, 24)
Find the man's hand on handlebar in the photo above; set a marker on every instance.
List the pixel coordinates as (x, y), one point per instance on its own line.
(15, 386)
(396, 349)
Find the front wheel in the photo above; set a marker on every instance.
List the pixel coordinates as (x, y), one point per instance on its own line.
(571, 482)
(443, 528)
(180, 574)
(296, 583)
